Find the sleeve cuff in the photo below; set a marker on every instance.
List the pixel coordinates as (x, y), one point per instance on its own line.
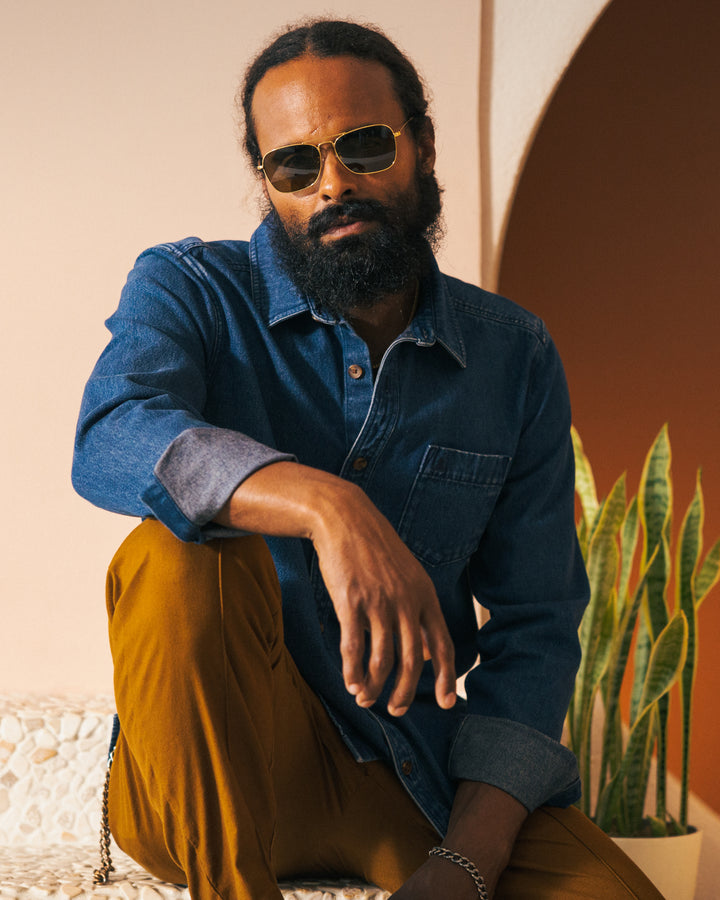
(524, 762)
(197, 474)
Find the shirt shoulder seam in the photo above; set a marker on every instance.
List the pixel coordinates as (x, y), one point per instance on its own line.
(527, 322)
(182, 251)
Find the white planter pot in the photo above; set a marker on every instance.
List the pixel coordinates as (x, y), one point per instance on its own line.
(671, 863)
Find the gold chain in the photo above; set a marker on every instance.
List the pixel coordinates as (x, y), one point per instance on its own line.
(102, 875)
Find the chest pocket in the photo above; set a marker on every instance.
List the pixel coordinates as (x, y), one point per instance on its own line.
(450, 502)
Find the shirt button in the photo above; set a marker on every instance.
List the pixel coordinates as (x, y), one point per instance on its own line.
(355, 371)
(406, 767)
(360, 464)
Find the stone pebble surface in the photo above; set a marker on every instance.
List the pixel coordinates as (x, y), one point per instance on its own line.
(52, 765)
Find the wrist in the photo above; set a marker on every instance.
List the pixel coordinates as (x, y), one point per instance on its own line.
(484, 824)
(331, 503)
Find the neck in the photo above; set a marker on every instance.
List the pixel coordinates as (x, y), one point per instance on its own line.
(379, 325)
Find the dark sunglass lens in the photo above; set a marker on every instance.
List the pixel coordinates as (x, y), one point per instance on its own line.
(367, 150)
(292, 168)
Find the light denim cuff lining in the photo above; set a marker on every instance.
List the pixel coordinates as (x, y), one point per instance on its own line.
(201, 468)
(520, 760)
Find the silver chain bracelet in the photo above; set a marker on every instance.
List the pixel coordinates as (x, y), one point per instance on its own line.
(464, 863)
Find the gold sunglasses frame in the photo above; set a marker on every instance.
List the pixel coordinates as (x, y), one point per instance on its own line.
(332, 141)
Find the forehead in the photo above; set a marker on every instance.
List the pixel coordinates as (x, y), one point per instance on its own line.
(311, 98)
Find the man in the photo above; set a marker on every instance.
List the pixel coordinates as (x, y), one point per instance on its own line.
(400, 439)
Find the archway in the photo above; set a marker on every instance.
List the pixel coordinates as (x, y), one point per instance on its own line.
(614, 240)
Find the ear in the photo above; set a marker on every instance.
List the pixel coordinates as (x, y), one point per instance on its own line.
(262, 180)
(425, 142)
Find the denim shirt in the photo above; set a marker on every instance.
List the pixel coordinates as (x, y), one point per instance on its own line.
(217, 366)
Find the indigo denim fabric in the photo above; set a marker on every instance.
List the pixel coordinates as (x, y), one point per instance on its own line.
(217, 366)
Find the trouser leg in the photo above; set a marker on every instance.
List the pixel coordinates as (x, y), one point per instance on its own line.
(191, 788)
(560, 854)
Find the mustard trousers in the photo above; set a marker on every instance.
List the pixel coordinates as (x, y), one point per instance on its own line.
(229, 775)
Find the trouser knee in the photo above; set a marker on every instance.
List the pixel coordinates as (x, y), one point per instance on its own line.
(179, 594)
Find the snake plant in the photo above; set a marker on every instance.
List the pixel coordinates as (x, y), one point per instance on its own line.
(630, 627)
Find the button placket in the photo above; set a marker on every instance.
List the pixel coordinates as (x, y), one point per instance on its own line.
(358, 387)
(375, 398)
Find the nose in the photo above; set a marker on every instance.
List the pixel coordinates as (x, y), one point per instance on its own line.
(335, 180)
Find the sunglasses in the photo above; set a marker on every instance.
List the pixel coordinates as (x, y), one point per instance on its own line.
(364, 151)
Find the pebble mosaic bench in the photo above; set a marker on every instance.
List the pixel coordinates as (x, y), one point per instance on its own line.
(52, 767)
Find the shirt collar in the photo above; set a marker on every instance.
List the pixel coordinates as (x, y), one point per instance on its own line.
(273, 290)
(436, 318)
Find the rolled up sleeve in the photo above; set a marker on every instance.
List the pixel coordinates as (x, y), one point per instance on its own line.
(198, 473)
(520, 760)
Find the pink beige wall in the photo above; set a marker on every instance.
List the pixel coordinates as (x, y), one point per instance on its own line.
(117, 132)
(613, 238)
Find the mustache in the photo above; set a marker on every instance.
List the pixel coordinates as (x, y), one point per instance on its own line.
(347, 211)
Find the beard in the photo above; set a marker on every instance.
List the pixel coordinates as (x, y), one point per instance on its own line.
(357, 271)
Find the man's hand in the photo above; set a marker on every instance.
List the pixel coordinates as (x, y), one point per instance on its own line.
(378, 586)
(375, 583)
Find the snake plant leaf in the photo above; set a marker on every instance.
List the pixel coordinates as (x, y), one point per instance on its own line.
(655, 501)
(638, 778)
(603, 555)
(658, 827)
(602, 564)
(621, 804)
(628, 546)
(655, 505)
(641, 659)
(655, 617)
(583, 746)
(617, 666)
(597, 625)
(688, 559)
(690, 546)
(709, 574)
(614, 803)
(666, 664)
(584, 483)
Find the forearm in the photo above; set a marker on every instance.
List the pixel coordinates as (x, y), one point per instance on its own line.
(287, 499)
(484, 824)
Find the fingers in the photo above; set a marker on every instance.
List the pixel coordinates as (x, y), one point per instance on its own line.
(410, 663)
(352, 650)
(366, 686)
(399, 638)
(430, 642)
(382, 658)
(442, 653)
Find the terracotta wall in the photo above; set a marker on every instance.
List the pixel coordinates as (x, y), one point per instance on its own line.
(614, 239)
